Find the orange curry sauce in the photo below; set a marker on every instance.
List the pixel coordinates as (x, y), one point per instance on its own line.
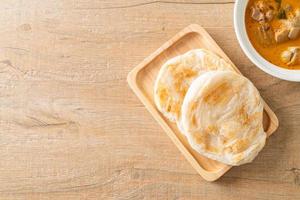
(272, 52)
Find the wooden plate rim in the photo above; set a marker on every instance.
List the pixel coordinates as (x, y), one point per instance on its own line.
(132, 81)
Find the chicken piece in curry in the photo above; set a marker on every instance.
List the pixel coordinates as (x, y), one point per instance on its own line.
(273, 27)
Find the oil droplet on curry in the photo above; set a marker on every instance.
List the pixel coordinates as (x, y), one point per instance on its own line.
(273, 27)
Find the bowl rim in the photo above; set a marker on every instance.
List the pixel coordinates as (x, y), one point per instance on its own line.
(249, 50)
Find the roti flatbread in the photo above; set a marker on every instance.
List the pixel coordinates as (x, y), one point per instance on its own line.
(222, 115)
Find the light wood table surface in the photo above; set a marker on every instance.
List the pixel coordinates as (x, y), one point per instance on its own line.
(70, 127)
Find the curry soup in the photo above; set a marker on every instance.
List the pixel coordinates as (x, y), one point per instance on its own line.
(269, 28)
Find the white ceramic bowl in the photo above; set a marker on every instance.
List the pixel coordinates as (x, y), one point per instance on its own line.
(252, 54)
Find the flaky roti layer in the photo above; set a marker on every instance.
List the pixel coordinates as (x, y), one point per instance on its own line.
(176, 75)
(222, 115)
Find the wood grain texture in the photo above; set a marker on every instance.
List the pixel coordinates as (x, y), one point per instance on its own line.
(72, 129)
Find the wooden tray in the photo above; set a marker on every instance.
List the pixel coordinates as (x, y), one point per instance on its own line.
(141, 79)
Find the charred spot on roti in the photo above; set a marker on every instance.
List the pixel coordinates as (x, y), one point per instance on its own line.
(163, 94)
(167, 101)
(243, 116)
(212, 148)
(240, 145)
(203, 139)
(172, 106)
(199, 138)
(181, 72)
(230, 135)
(176, 108)
(239, 157)
(192, 108)
(221, 94)
(212, 130)
(180, 75)
(194, 120)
